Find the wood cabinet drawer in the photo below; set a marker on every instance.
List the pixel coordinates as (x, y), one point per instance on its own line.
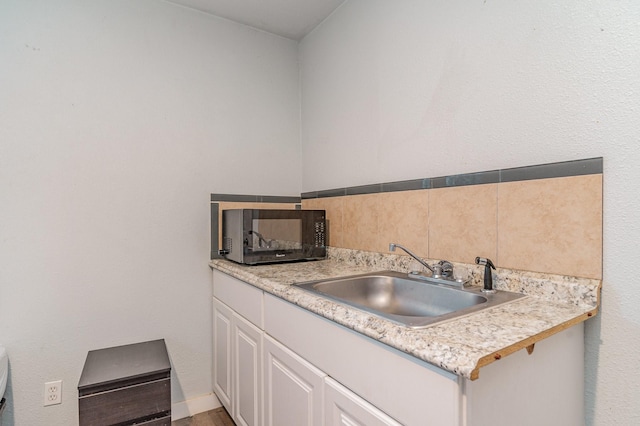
(141, 401)
(125, 385)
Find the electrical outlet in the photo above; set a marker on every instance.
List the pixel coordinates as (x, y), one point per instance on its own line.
(53, 393)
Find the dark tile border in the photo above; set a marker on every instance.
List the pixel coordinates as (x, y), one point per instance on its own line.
(364, 189)
(589, 166)
(466, 179)
(325, 194)
(254, 198)
(407, 185)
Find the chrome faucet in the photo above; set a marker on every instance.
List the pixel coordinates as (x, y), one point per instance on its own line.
(392, 247)
(442, 269)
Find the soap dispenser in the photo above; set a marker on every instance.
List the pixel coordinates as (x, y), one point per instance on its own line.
(488, 278)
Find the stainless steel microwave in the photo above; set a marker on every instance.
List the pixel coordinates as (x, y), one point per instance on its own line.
(253, 236)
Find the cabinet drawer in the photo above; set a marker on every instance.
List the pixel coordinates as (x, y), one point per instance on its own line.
(139, 401)
(243, 298)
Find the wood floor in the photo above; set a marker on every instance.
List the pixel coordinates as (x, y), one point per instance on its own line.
(217, 417)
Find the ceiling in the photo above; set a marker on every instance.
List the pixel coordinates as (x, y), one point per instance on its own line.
(288, 18)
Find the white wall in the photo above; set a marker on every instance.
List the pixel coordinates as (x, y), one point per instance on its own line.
(411, 89)
(117, 120)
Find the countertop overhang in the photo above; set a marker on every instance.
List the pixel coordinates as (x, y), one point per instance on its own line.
(461, 346)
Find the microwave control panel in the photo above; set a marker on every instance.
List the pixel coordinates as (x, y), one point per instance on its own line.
(320, 234)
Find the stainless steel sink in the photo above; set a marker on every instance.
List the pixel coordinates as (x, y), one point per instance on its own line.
(413, 302)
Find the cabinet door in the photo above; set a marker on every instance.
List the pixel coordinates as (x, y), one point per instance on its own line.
(345, 408)
(247, 368)
(293, 388)
(222, 345)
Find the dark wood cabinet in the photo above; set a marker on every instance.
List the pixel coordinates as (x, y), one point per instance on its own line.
(125, 385)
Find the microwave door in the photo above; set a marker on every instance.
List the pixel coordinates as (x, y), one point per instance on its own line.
(260, 243)
(276, 234)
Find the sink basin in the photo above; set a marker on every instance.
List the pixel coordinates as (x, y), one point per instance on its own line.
(413, 302)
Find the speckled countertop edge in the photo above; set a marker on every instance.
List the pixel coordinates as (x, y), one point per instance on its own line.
(459, 346)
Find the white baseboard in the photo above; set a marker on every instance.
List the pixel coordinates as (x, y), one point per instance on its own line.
(190, 407)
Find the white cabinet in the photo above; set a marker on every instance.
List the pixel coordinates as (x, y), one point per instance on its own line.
(247, 368)
(222, 373)
(293, 388)
(345, 408)
(414, 393)
(237, 349)
(237, 365)
(280, 365)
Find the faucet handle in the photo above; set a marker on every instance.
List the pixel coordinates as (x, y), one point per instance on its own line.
(446, 268)
(437, 270)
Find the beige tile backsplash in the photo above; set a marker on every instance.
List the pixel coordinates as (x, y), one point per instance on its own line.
(404, 219)
(552, 225)
(370, 222)
(545, 225)
(360, 216)
(463, 223)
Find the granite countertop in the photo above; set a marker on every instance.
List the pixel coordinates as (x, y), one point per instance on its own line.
(461, 346)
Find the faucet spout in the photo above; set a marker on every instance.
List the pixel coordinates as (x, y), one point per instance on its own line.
(392, 247)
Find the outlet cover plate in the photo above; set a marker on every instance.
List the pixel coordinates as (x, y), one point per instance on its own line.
(53, 393)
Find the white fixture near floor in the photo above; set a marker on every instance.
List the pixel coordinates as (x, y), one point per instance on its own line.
(4, 370)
